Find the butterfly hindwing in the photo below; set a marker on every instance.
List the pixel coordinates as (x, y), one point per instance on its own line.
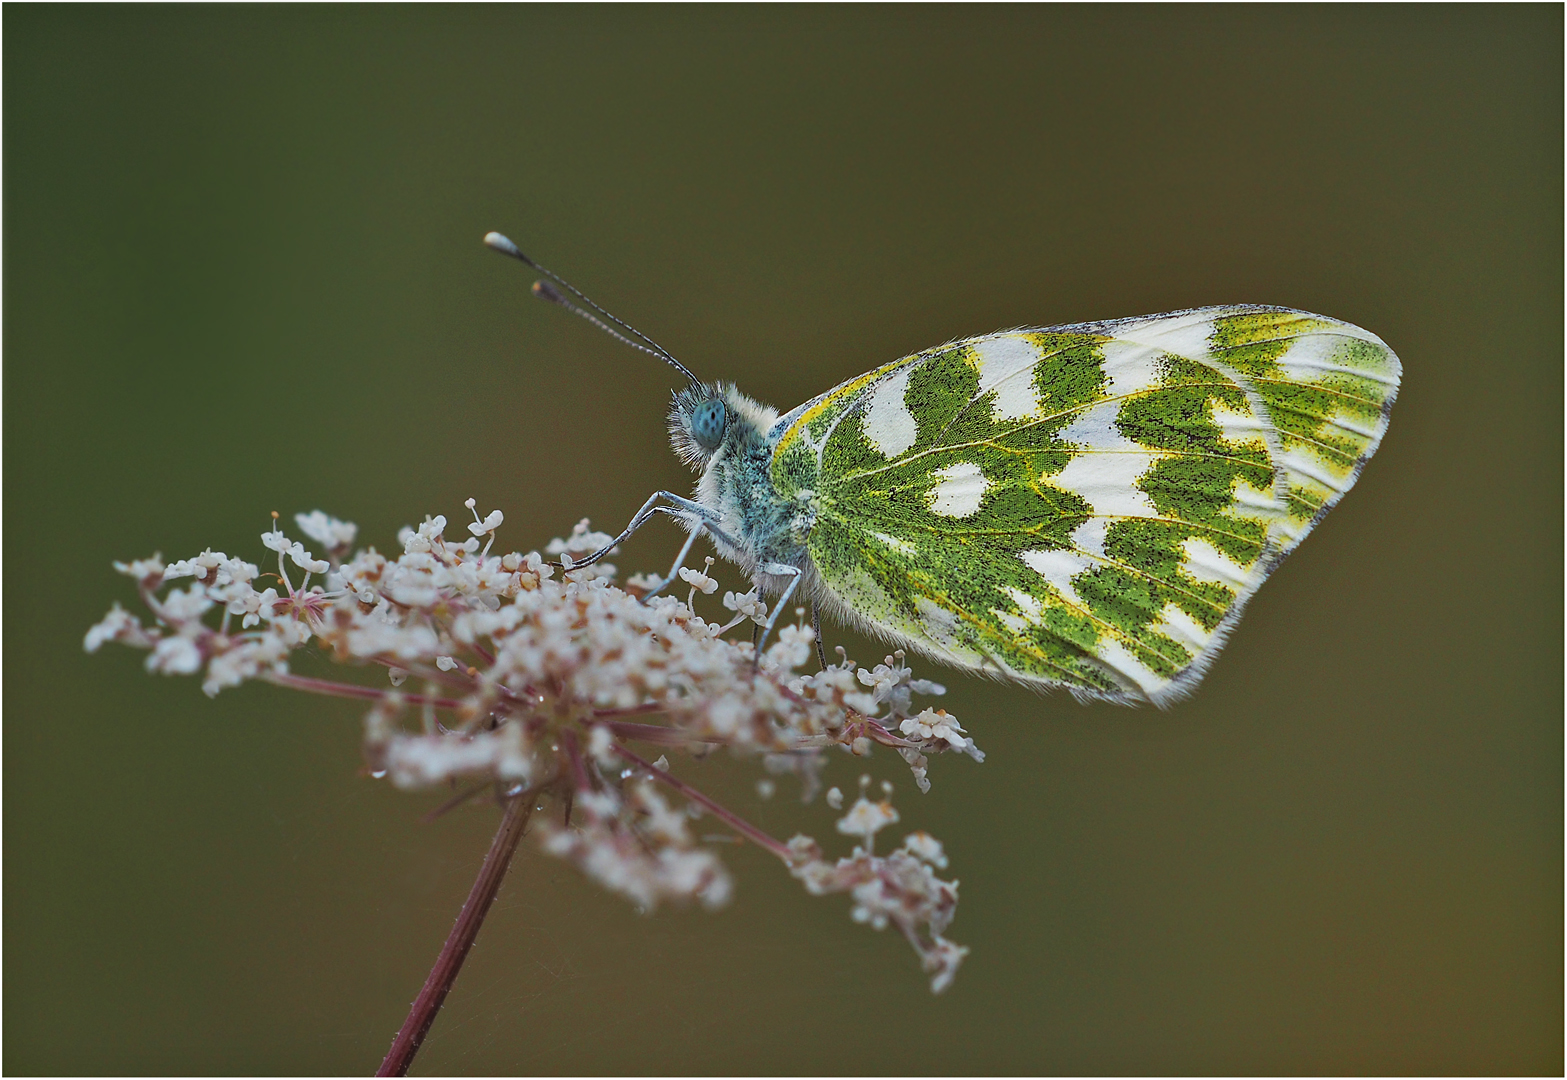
(1086, 506)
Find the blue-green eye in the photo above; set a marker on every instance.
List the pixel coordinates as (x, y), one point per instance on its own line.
(707, 424)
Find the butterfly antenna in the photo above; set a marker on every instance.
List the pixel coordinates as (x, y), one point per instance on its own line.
(545, 291)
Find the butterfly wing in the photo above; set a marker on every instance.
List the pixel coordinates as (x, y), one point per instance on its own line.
(1085, 506)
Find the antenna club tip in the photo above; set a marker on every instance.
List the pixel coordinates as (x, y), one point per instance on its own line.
(545, 291)
(501, 244)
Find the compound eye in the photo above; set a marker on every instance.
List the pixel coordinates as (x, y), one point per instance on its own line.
(707, 423)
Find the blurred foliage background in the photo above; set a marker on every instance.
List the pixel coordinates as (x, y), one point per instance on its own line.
(243, 273)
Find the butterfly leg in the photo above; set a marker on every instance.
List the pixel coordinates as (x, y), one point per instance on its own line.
(644, 515)
(704, 524)
(816, 628)
(680, 560)
(778, 570)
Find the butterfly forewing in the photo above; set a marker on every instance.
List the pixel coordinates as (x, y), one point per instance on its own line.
(1086, 506)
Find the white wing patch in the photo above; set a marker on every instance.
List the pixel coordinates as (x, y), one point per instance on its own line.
(1304, 464)
(1242, 429)
(1258, 504)
(1119, 659)
(1181, 628)
(1130, 366)
(1006, 365)
(1308, 358)
(1311, 356)
(902, 547)
(1030, 606)
(1094, 429)
(1058, 568)
(889, 425)
(1353, 425)
(959, 490)
(1182, 335)
(1106, 473)
(1207, 563)
(1090, 536)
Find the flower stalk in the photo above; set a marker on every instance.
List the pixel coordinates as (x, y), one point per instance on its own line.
(728, 817)
(450, 959)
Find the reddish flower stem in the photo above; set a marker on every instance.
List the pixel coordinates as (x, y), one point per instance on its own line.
(635, 710)
(728, 817)
(579, 769)
(460, 940)
(349, 690)
(429, 674)
(653, 733)
(873, 729)
(456, 800)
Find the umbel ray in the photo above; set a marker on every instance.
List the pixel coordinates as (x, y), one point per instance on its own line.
(1087, 506)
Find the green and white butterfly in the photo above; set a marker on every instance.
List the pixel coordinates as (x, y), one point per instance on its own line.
(1086, 506)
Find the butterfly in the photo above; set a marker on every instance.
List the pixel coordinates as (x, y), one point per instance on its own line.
(1086, 507)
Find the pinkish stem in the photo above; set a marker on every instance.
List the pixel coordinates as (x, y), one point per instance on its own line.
(728, 817)
(460, 940)
(349, 690)
(635, 710)
(873, 730)
(456, 800)
(579, 769)
(653, 733)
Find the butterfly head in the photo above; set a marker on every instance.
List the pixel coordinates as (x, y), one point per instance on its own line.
(705, 418)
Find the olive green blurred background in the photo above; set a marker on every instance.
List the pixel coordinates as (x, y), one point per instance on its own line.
(243, 273)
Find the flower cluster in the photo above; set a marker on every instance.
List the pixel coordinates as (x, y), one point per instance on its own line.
(534, 676)
(901, 888)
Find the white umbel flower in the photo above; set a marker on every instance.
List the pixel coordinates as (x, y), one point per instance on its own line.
(938, 725)
(330, 533)
(541, 683)
(865, 819)
(698, 581)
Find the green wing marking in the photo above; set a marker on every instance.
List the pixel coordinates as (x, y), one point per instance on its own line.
(1086, 506)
